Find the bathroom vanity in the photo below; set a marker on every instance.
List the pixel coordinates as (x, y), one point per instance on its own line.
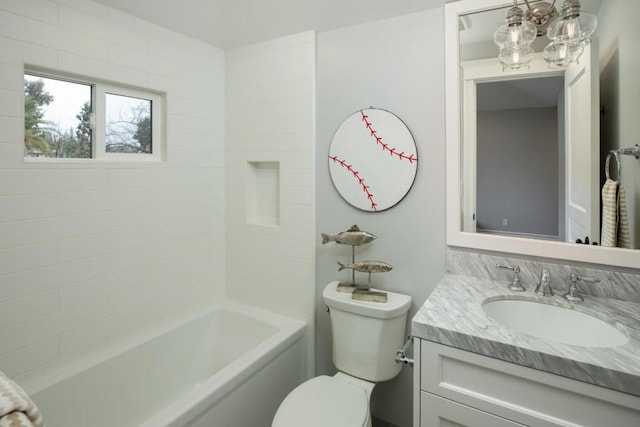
(472, 370)
(489, 356)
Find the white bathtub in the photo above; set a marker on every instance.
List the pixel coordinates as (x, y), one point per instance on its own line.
(229, 367)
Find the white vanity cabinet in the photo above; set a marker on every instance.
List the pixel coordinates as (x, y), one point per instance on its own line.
(441, 412)
(454, 388)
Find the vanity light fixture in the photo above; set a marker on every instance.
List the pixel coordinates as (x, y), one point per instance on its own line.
(514, 39)
(569, 32)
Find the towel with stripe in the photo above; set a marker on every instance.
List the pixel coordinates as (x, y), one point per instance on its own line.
(16, 408)
(615, 219)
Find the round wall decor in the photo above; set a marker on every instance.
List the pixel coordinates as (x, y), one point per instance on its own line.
(373, 159)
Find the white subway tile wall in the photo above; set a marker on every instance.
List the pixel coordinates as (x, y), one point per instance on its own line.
(93, 251)
(270, 118)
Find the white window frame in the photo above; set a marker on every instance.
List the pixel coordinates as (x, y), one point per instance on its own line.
(98, 118)
(100, 122)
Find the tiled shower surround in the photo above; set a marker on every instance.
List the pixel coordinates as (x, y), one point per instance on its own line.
(92, 251)
(270, 141)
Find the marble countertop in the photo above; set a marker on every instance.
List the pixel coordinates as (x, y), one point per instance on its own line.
(453, 316)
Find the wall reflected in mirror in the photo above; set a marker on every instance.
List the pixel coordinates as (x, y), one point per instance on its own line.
(522, 181)
(519, 147)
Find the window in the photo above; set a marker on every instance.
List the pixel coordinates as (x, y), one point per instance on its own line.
(57, 117)
(76, 119)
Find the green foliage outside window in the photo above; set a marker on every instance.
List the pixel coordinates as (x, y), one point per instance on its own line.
(127, 123)
(43, 138)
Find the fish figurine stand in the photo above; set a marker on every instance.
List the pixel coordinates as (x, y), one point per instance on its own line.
(356, 237)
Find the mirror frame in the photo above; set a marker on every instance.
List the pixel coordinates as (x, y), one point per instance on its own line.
(455, 235)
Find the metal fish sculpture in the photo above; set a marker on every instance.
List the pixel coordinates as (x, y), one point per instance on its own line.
(367, 266)
(353, 236)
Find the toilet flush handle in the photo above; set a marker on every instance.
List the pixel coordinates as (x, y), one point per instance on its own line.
(401, 356)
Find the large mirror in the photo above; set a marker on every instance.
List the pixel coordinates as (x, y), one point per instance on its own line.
(527, 148)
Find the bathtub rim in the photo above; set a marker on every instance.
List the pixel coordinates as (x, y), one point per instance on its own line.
(225, 381)
(42, 378)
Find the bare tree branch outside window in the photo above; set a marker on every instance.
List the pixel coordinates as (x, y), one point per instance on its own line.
(128, 126)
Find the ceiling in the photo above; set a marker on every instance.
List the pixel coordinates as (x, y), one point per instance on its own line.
(233, 23)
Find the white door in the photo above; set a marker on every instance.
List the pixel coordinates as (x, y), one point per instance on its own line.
(468, 169)
(582, 179)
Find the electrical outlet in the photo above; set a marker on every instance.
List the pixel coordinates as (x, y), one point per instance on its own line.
(505, 222)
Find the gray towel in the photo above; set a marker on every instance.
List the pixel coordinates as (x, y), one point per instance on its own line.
(609, 214)
(615, 221)
(622, 239)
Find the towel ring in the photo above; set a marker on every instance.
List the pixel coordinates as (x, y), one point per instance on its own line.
(618, 164)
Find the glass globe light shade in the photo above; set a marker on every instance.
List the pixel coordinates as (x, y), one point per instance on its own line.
(513, 39)
(576, 27)
(515, 59)
(561, 54)
(515, 36)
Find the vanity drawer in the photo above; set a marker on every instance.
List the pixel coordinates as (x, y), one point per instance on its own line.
(525, 395)
(440, 412)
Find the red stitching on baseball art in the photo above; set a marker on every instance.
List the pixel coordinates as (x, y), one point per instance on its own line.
(357, 176)
(379, 141)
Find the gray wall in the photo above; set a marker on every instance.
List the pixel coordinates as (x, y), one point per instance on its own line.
(397, 65)
(619, 94)
(517, 171)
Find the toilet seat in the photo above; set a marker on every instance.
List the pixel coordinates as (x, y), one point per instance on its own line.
(324, 401)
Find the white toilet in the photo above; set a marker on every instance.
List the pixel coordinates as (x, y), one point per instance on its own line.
(366, 336)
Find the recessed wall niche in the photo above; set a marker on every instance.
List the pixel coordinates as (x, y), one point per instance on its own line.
(263, 193)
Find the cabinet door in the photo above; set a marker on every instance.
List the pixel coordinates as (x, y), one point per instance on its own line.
(439, 412)
(527, 396)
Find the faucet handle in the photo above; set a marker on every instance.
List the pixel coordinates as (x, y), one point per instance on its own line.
(574, 278)
(515, 284)
(573, 294)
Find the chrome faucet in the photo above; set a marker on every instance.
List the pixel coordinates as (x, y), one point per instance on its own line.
(544, 285)
(573, 294)
(515, 284)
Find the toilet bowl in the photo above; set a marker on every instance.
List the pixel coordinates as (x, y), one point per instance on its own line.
(365, 336)
(338, 401)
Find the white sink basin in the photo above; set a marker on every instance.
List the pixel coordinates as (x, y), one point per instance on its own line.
(554, 323)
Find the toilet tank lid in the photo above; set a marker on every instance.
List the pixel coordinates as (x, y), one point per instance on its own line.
(396, 305)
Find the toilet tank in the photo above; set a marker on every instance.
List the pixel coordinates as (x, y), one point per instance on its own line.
(366, 335)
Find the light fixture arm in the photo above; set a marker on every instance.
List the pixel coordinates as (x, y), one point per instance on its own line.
(541, 14)
(531, 10)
